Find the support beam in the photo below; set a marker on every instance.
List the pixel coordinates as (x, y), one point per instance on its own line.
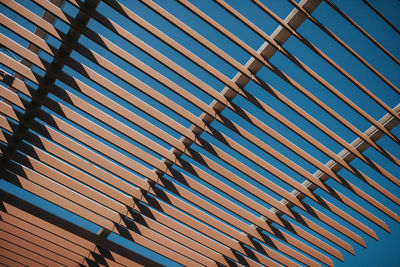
(388, 121)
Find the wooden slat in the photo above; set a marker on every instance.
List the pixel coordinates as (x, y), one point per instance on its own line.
(169, 211)
(347, 47)
(22, 213)
(381, 16)
(297, 244)
(363, 32)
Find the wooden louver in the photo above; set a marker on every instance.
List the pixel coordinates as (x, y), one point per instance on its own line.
(99, 119)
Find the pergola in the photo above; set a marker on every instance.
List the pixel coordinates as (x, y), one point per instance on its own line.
(182, 159)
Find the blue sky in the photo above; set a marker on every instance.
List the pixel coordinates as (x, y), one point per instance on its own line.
(381, 253)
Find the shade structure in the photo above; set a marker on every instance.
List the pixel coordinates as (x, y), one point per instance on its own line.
(126, 141)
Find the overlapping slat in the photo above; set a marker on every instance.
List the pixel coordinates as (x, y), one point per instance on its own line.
(74, 149)
(381, 15)
(39, 222)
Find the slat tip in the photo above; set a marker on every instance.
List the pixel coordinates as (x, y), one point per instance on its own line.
(330, 263)
(362, 243)
(386, 228)
(340, 257)
(351, 251)
(375, 236)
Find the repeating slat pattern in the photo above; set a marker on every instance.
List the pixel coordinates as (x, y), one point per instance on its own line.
(123, 118)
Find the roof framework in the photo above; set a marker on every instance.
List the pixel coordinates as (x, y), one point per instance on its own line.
(184, 162)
